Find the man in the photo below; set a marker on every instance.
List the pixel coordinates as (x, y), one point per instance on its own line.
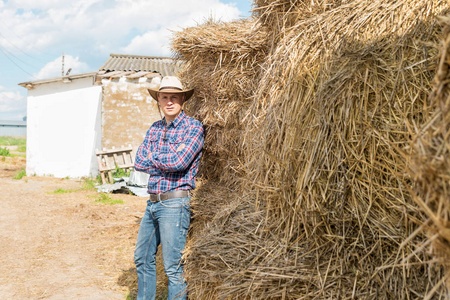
(170, 153)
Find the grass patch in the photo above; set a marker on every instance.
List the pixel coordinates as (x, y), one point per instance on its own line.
(61, 191)
(90, 183)
(4, 152)
(108, 200)
(12, 141)
(20, 174)
(21, 144)
(22, 148)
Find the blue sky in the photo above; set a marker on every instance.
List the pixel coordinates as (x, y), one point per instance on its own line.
(34, 34)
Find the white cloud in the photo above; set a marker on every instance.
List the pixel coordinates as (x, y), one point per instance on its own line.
(34, 32)
(12, 105)
(160, 22)
(54, 68)
(91, 25)
(152, 42)
(32, 4)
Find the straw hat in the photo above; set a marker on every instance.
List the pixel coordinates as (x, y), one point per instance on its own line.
(170, 84)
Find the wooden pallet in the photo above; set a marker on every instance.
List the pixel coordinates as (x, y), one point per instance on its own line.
(108, 159)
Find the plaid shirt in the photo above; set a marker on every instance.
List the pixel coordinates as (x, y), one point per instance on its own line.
(175, 154)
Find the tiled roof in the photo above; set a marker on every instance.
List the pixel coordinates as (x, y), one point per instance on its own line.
(135, 63)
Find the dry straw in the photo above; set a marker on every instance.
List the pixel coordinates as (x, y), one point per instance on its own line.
(431, 166)
(310, 109)
(222, 60)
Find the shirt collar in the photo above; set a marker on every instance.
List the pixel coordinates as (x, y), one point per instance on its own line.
(177, 119)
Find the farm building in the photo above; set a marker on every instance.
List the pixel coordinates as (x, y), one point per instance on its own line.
(70, 117)
(127, 108)
(13, 128)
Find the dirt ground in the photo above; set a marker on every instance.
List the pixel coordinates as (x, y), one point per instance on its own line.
(64, 246)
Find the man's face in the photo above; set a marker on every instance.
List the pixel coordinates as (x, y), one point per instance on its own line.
(171, 104)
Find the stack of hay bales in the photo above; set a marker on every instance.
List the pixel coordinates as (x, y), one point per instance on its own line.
(222, 61)
(310, 108)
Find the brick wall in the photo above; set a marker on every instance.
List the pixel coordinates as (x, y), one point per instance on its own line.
(127, 113)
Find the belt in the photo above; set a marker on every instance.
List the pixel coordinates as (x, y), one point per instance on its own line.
(168, 195)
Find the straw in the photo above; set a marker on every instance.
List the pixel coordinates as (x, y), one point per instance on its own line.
(310, 112)
(430, 165)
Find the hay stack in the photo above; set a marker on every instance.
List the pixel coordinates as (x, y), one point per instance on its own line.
(223, 60)
(310, 197)
(431, 163)
(223, 64)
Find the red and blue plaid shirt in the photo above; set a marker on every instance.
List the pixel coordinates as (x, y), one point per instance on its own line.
(175, 154)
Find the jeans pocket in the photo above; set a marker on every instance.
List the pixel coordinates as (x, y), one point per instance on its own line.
(176, 203)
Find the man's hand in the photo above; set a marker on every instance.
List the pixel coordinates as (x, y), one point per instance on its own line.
(181, 147)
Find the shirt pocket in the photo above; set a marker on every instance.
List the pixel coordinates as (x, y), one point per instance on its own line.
(175, 142)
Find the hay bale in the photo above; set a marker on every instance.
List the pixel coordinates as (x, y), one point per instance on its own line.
(431, 165)
(309, 172)
(278, 14)
(223, 60)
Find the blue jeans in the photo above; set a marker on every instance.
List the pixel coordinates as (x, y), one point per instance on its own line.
(165, 222)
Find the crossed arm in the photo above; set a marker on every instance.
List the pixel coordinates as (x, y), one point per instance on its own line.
(175, 160)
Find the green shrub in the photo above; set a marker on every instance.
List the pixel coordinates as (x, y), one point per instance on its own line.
(118, 172)
(20, 174)
(4, 152)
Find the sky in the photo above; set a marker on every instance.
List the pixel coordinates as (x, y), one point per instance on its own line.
(35, 34)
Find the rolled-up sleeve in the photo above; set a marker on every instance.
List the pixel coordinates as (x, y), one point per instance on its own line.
(176, 161)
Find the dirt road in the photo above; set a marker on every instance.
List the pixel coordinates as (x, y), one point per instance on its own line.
(64, 245)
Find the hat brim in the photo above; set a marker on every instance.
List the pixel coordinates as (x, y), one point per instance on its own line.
(154, 93)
